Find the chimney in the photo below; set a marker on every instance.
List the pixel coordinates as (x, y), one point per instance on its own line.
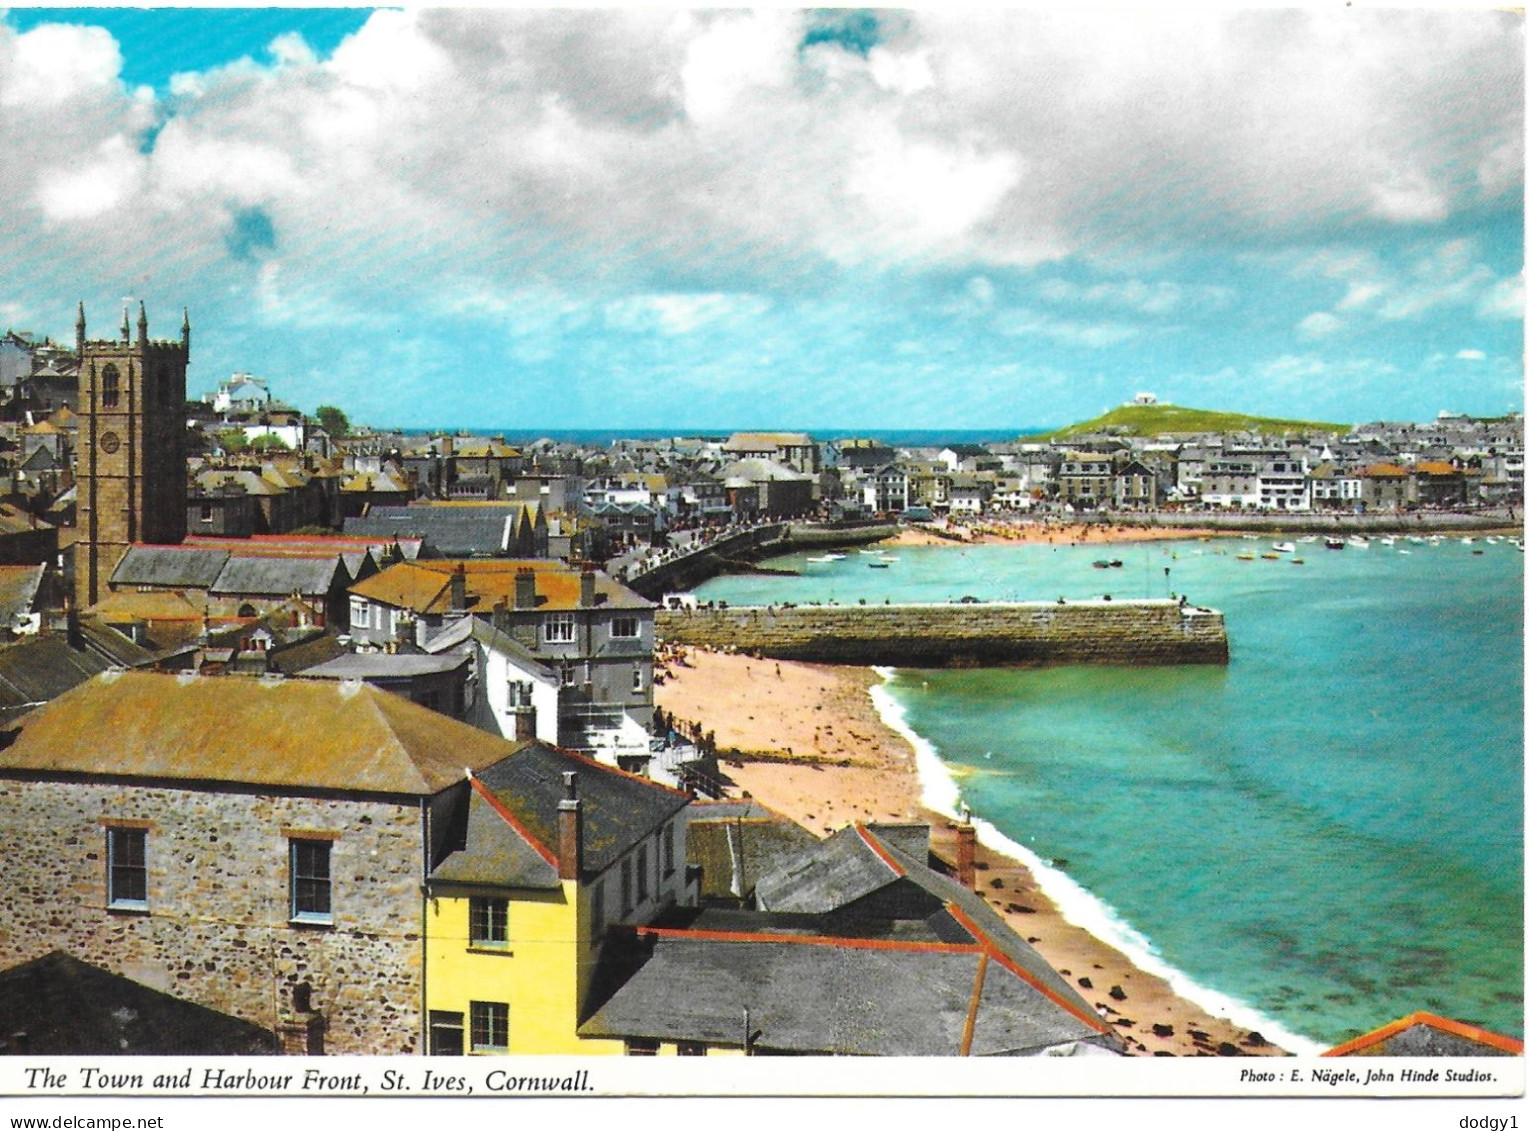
(459, 588)
(525, 723)
(570, 829)
(525, 588)
(587, 587)
(966, 851)
(500, 617)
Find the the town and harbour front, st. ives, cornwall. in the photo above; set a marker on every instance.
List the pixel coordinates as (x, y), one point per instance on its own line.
(550, 537)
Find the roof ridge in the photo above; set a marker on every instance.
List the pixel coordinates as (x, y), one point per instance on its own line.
(874, 844)
(987, 946)
(1434, 1021)
(810, 940)
(599, 765)
(503, 810)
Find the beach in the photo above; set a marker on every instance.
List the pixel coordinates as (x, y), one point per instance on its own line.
(807, 741)
(1042, 531)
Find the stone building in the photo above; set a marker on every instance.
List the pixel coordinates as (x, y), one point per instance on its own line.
(132, 448)
(255, 846)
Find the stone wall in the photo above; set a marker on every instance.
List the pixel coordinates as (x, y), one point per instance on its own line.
(216, 931)
(954, 635)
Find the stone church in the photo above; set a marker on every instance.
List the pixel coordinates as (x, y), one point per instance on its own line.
(132, 454)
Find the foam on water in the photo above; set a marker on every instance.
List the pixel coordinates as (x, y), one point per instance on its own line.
(1075, 903)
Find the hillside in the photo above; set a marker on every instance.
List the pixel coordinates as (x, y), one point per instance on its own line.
(1156, 419)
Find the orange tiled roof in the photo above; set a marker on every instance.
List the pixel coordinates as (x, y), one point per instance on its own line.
(425, 587)
(1383, 471)
(1437, 467)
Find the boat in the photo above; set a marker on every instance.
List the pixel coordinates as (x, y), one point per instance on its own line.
(1307, 538)
(1334, 543)
(820, 561)
(879, 565)
(1101, 564)
(1116, 563)
(1467, 540)
(1297, 561)
(1284, 548)
(873, 551)
(1245, 557)
(1404, 551)
(1270, 557)
(1361, 542)
(834, 557)
(1388, 540)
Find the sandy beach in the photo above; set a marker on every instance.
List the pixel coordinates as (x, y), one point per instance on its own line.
(1046, 532)
(811, 745)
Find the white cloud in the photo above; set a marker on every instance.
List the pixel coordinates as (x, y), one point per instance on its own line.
(1319, 325)
(681, 313)
(1470, 355)
(1503, 300)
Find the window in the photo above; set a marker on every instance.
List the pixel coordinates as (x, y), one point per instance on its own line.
(642, 873)
(668, 850)
(445, 1033)
(490, 1026)
(624, 628)
(568, 675)
(359, 610)
(489, 922)
(111, 387)
(558, 628)
(310, 881)
(626, 885)
(637, 678)
(641, 1047)
(127, 872)
(690, 1048)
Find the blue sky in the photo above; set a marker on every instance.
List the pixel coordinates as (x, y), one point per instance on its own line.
(685, 219)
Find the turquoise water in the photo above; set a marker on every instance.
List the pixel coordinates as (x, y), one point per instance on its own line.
(1329, 830)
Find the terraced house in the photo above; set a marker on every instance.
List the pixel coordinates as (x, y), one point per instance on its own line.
(595, 634)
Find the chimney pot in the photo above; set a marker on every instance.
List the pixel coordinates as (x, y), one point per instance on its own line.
(570, 830)
(966, 855)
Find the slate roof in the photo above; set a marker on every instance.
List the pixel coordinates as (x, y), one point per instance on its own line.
(834, 997)
(453, 529)
(283, 575)
(19, 585)
(619, 809)
(66, 1007)
(42, 668)
(733, 852)
(497, 850)
(1426, 1034)
(171, 567)
(837, 871)
(383, 665)
(298, 734)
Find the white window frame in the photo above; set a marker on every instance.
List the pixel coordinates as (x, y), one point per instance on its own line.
(559, 628)
(117, 837)
(481, 1015)
(295, 878)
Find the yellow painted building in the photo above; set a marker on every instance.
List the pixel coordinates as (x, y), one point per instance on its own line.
(557, 848)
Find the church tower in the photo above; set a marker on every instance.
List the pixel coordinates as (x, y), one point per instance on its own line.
(131, 465)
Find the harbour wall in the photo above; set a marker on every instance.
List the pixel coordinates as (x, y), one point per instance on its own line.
(1147, 632)
(735, 550)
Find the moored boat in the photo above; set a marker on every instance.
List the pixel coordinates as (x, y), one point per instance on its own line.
(1284, 548)
(1334, 543)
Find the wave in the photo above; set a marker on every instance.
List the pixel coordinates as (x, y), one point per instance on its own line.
(1074, 902)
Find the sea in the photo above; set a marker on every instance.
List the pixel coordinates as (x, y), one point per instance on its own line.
(1323, 836)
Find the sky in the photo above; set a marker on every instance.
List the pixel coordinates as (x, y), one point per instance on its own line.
(679, 219)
